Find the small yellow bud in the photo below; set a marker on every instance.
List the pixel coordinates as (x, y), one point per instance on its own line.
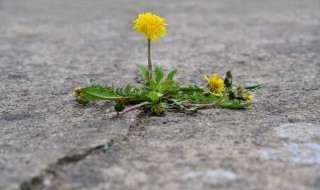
(159, 110)
(249, 97)
(246, 96)
(78, 92)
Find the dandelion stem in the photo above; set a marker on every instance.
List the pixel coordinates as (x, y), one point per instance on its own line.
(132, 108)
(149, 61)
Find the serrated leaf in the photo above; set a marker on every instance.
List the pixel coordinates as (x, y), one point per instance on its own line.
(171, 74)
(127, 89)
(144, 71)
(232, 104)
(100, 93)
(159, 73)
(140, 93)
(154, 96)
(251, 86)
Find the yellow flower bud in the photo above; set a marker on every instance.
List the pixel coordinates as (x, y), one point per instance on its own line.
(78, 92)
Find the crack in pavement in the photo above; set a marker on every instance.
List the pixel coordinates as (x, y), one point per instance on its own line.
(52, 171)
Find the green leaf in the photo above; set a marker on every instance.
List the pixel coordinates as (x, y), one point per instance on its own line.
(178, 101)
(153, 85)
(172, 74)
(144, 71)
(164, 105)
(140, 93)
(166, 82)
(251, 86)
(159, 73)
(100, 93)
(233, 104)
(127, 90)
(167, 85)
(154, 96)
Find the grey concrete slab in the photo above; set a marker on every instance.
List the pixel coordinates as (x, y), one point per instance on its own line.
(47, 141)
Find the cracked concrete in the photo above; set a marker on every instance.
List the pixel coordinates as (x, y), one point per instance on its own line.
(48, 141)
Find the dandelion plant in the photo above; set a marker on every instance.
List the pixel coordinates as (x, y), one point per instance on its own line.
(162, 92)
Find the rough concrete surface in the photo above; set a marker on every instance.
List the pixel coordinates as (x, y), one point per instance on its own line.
(48, 141)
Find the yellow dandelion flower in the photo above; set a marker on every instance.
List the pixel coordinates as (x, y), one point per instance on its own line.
(152, 26)
(78, 92)
(215, 83)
